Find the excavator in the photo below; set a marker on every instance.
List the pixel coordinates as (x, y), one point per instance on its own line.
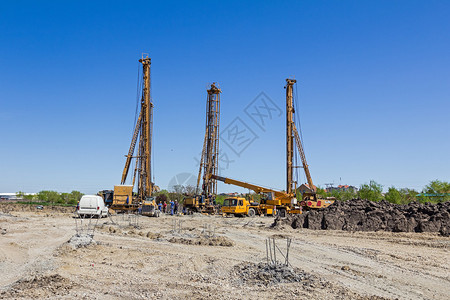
(124, 199)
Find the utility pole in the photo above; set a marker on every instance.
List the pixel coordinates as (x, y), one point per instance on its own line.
(289, 135)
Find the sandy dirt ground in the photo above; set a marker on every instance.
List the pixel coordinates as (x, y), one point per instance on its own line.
(198, 257)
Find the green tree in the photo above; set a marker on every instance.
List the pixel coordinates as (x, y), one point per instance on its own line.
(437, 187)
(394, 196)
(20, 195)
(321, 192)
(42, 196)
(409, 195)
(53, 197)
(436, 191)
(74, 197)
(161, 197)
(29, 197)
(346, 195)
(371, 191)
(63, 198)
(220, 198)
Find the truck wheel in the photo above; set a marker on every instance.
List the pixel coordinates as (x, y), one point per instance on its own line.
(251, 212)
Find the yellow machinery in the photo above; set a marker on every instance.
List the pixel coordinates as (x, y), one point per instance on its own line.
(273, 202)
(124, 198)
(240, 206)
(281, 203)
(309, 199)
(203, 201)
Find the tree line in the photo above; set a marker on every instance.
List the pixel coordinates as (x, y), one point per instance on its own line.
(434, 192)
(51, 198)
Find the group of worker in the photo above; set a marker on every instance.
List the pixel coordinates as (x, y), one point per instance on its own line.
(168, 208)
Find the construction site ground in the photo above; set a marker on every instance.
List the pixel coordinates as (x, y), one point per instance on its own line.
(211, 257)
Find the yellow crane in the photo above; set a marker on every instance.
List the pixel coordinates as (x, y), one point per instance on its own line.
(273, 201)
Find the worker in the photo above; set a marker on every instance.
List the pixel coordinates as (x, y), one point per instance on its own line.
(160, 206)
(172, 205)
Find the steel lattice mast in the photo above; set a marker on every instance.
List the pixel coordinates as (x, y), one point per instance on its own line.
(145, 176)
(289, 135)
(210, 153)
(143, 131)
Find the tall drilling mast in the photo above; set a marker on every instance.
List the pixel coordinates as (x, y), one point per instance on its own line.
(143, 130)
(210, 154)
(145, 184)
(289, 136)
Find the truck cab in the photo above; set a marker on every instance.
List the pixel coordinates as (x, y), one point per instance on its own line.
(240, 206)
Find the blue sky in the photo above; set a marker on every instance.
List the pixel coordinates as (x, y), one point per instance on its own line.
(373, 91)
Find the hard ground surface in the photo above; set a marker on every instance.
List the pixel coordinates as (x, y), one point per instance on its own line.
(212, 257)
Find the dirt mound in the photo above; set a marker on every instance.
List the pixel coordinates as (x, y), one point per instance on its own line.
(365, 215)
(39, 287)
(264, 274)
(204, 241)
(8, 207)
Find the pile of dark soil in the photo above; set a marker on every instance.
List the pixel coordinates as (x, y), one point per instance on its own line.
(264, 274)
(365, 215)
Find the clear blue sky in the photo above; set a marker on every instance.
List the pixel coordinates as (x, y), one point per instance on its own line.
(373, 92)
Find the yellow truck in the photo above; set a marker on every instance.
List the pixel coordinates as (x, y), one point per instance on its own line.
(239, 206)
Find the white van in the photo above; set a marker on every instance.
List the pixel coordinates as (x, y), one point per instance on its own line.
(92, 205)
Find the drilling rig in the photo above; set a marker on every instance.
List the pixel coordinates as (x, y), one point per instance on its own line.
(309, 199)
(124, 197)
(204, 199)
(279, 202)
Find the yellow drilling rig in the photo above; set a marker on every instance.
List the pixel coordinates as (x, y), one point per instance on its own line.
(204, 200)
(309, 197)
(273, 201)
(124, 198)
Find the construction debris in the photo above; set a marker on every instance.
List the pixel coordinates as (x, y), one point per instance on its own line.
(365, 215)
(204, 241)
(82, 240)
(264, 274)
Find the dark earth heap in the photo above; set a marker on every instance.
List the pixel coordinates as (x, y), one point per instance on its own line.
(365, 215)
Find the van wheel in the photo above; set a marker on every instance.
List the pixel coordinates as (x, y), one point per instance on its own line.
(251, 212)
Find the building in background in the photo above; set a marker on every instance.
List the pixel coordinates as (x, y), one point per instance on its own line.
(342, 188)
